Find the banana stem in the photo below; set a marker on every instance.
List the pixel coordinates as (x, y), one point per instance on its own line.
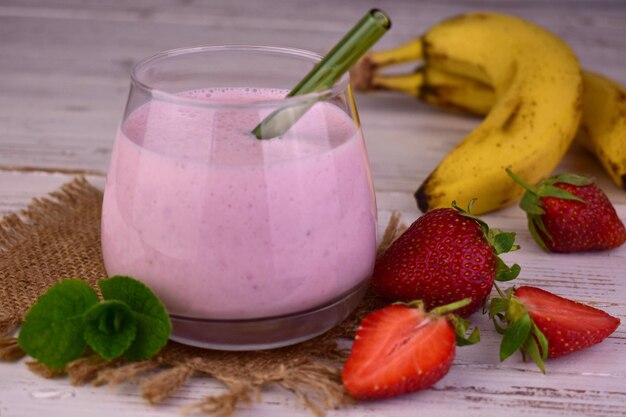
(410, 51)
(366, 69)
(406, 83)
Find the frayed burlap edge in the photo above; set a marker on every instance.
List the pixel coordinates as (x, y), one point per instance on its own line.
(310, 370)
(18, 229)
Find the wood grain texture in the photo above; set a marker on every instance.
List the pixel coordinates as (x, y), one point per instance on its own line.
(63, 84)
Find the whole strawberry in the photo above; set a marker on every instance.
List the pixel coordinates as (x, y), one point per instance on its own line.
(543, 325)
(569, 213)
(446, 255)
(402, 348)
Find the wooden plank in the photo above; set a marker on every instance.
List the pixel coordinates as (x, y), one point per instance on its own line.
(469, 389)
(583, 384)
(17, 189)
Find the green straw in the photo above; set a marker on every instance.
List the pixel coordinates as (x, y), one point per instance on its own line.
(327, 72)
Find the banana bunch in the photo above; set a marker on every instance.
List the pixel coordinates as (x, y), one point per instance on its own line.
(602, 128)
(527, 83)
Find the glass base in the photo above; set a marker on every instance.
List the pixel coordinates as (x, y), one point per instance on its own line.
(265, 333)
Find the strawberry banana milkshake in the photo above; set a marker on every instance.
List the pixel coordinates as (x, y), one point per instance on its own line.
(224, 226)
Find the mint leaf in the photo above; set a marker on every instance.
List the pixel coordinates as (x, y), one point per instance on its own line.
(53, 328)
(110, 328)
(153, 323)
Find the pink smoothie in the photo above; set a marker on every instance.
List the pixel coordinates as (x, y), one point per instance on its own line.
(223, 226)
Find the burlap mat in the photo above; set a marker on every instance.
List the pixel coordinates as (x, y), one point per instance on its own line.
(59, 237)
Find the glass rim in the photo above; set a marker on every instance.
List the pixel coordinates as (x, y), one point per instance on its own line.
(160, 94)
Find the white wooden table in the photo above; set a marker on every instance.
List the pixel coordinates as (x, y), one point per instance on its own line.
(63, 83)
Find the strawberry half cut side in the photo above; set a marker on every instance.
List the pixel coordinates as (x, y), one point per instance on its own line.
(402, 348)
(544, 325)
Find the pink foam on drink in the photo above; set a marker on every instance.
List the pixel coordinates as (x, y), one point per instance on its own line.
(223, 226)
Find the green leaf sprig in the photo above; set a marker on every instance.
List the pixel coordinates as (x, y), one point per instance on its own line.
(130, 321)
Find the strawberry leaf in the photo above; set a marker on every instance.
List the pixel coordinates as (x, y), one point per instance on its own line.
(573, 179)
(515, 336)
(543, 341)
(472, 339)
(542, 227)
(499, 328)
(531, 204)
(531, 348)
(535, 223)
(461, 326)
(548, 190)
(502, 242)
(504, 273)
(497, 306)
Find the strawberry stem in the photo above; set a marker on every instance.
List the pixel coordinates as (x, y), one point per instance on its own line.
(521, 182)
(419, 304)
(502, 295)
(448, 308)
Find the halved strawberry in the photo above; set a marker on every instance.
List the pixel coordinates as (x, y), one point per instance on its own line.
(544, 325)
(401, 348)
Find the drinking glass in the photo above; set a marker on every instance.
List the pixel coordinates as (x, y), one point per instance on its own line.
(250, 243)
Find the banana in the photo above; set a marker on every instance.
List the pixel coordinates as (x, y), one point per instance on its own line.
(441, 89)
(530, 90)
(449, 90)
(602, 128)
(603, 124)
